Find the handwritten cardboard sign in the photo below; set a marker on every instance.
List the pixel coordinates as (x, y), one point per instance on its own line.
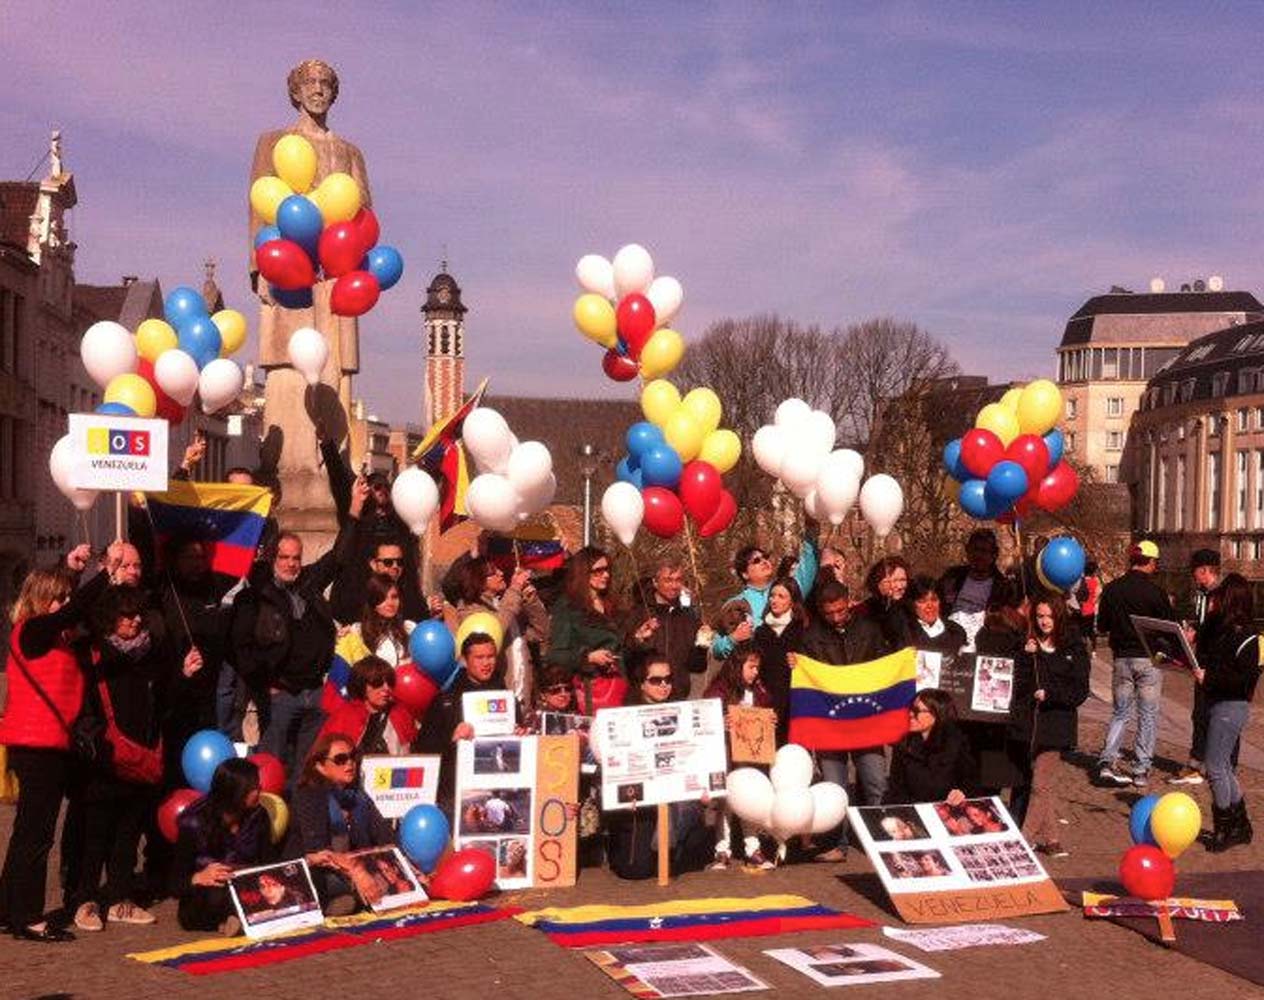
(752, 734)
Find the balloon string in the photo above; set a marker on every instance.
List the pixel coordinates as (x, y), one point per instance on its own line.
(693, 562)
(639, 583)
(166, 570)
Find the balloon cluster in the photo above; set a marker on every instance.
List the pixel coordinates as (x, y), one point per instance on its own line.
(785, 802)
(1010, 461)
(433, 649)
(203, 752)
(515, 477)
(797, 449)
(1162, 827)
(318, 232)
(1061, 563)
(626, 310)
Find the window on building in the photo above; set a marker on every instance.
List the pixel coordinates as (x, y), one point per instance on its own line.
(1179, 493)
(1259, 490)
(8, 460)
(1160, 503)
(1220, 384)
(1114, 440)
(1213, 491)
(1259, 418)
(1213, 425)
(1240, 491)
(1246, 380)
(1169, 394)
(1070, 409)
(1114, 406)
(1070, 441)
(1242, 419)
(8, 336)
(1110, 363)
(1112, 473)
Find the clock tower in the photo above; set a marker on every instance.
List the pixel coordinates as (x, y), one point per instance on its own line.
(444, 327)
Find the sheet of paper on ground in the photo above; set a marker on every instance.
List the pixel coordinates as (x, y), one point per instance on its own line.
(961, 936)
(673, 970)
(851, 964)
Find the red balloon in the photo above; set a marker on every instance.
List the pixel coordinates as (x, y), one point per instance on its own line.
(463, 875)
(285, 264)
(354, 294)
(619, 367)
(1147, 872)
(664, 516)
(725, 511)
(170, 809)
(1056, 489)
(165, 407)
(271, 772)
(341, 248)
(980, 450)
(1031, 452)
(414, 689)
(636, 321)
(700, 488)
(367, 226)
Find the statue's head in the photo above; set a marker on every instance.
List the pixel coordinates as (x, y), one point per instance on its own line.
(313, 86)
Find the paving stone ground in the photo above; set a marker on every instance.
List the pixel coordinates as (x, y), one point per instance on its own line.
(506, 961)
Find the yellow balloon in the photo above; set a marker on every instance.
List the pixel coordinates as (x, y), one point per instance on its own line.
(294, 160)
(704, 406)
(481, 621)
(232, 330)
(337, 197)
(659, 400)
(661, 353)
(153, 337)
(1010, 399)
(133, 392)
(595, 318)
(266, 195)
(1175, 822)
(952, 488)
(278, 815)
(995, 418)
(684, 434)
(721, 449)
(1039, 407)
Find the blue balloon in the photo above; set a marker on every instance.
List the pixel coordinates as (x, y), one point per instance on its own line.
(265, 234)
(424, 833)
(1007, 482)
(183, 304)
(621, 347)
(432, 648)
(116, 410)
(1056, 443)
(1139, 820)
(200, 339)
(299, 298)
(641, 437)
(952, 461)
(1062, 561)
(385, 264)
(625, 473)
(299, 219)
(973, 499)
(661, 466)
(202, 754)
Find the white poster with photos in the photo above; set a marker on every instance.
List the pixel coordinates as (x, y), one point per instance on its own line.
(853, 964)
(495, 804)
(275, 899)
(650, 754)
(933, 847)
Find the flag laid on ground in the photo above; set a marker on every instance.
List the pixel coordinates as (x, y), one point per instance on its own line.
(851, 707)
(685, 920)
(228, 519)
(442, 456)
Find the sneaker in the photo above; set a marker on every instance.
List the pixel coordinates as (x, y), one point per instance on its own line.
(1187, 776)
(1109, 775)
(721, 862)
(129, 913)
(758, 862)
(341, 906)
(834, 856)
(1141, 779)
(231, 927)
(88, 918)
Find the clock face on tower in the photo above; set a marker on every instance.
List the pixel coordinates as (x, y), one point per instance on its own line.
(443, 295)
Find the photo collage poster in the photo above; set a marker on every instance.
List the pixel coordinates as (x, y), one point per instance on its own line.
(684, 969)
(495, 805)
(851, 964)
(981, 687)
(275, 899)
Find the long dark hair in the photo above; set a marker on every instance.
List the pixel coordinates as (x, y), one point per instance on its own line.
(880, 570)
(944, 711)
(1233, 600)
(231, 784)
(118, 601)
(319, 751)
(798, 612)
(578, 574)
(1058, 606)
(471, 578)
(373, 627)
(730, 677)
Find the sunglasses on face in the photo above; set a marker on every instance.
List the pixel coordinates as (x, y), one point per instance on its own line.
(390, 561)
(382, 682)
(342, 759)
(658, 681)
(558, 689)
(600, 569)
(756, 559)
(919, 710)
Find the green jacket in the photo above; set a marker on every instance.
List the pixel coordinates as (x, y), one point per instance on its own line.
(576, 632)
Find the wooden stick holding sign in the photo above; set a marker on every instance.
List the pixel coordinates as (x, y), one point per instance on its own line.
(664, 844)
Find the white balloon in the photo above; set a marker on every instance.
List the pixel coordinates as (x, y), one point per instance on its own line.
(836, 491)
(829, 802)
(792, 812)
(666, 296)
(812, 506)
(107, 350)
(769, 448)
(219, 384)
(818, 428)
(791, 768)
(791, 412)
(308, 352)
(848, 459)
(60, 462)
(633, 270)
(595, 274)
(415, 498)
(493, 502)
(534, 500)
(881, 502)
(623, 509)
(750, 794)
(801, 467)
(177, 375)
(529, 466)
(488, 439)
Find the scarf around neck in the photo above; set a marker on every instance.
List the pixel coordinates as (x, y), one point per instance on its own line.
(778, 623)
(134, 648)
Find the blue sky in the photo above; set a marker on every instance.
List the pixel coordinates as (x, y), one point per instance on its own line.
(980, 169)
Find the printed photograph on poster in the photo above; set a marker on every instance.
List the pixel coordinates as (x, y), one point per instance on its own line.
(396, 784)
(894, 823)
(673, 970)
(497, 756)
(496, 810)
(971, 817)
(384, 880)
(562, 723)
(993, 684)
(495, 803)
(490, 713)
(962, 936)
(996, 861)
(928, 666)
(273, 899)
(851, 964)
(1164, 642)
(903, 864)
(511, 857)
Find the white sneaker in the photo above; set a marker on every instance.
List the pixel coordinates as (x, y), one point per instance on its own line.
(129, 913)
(88, 918)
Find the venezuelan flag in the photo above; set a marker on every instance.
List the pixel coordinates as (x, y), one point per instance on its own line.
(532, 545)
(685, 920)
(228, 519)
(442, 456)
(853, 706)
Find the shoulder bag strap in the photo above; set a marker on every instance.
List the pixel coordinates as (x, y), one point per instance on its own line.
(17, 657)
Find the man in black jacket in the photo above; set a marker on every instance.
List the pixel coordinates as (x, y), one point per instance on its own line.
(1204, 567)
(669, 628)
(283, 636)
(1136, 680)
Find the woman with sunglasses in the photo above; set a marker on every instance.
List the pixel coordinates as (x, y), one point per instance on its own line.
(887, 582)
(370, 714)
(586, 637)
(757, 571)
(933, 762)
(331, 816)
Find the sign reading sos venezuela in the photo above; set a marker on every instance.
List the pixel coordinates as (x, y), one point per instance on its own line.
(118, 453)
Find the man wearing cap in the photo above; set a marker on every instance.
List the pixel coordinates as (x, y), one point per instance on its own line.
(1204, 567)
(1135, 679)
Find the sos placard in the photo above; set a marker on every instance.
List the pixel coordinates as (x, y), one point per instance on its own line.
(118, 453)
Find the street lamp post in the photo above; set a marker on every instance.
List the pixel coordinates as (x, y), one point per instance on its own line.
(587, 468)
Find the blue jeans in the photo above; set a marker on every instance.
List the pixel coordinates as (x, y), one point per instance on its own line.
(1136, 681)
(292, 729)
(871, 776)
(1225, 722)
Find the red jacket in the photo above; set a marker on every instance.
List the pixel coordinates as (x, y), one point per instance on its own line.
(27, 719)
(353, 716)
